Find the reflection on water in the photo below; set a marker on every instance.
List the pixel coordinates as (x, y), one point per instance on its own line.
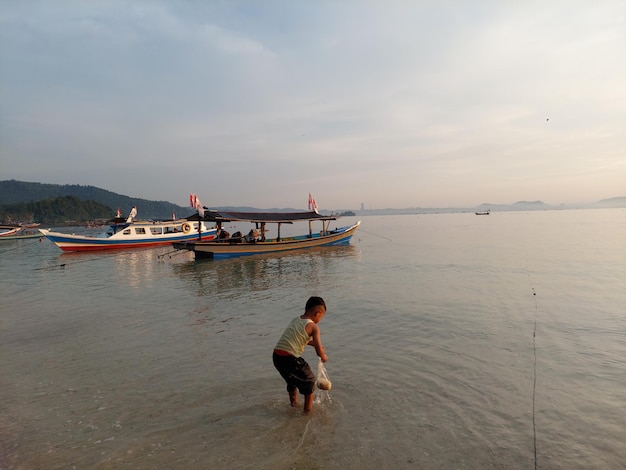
(132, 267)
(136, 268)
(261, 272)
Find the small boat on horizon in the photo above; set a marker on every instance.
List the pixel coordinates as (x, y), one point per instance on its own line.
(482, 212)
(130, 233)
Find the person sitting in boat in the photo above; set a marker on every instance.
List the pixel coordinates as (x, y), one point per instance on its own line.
(252, 236)
(223, 235)
(263, 231)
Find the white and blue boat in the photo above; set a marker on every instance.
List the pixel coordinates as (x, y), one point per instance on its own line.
(130, 233)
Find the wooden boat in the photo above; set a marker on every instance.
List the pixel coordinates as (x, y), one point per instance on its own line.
(18, 232)
(21, 235)
(134, 234)
(9, 230)
(482, 212)
(255, 242)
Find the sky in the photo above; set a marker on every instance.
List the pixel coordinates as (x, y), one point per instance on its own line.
(385, 104)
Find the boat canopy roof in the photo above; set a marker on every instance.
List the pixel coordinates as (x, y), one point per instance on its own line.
(268, 217)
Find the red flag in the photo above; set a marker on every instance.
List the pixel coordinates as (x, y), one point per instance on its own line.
(196, 204)
(312, 203)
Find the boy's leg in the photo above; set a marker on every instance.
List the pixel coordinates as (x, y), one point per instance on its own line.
(308, 402)
(293, 397)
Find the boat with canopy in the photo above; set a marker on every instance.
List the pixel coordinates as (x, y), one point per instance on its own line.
(256, 241)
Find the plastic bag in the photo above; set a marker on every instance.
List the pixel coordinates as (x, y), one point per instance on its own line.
(323, 383)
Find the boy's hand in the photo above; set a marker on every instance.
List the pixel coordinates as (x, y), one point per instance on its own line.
(324, 357)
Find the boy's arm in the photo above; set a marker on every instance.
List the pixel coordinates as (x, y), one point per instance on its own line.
(316, 340)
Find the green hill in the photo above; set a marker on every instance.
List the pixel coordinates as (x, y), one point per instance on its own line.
(66, 210)
(20, 192)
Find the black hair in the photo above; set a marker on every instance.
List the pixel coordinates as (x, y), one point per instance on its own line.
(314, 302)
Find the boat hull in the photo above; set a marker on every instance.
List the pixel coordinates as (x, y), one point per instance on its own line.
(21, 237)
(9, 232)
(118, 241)
(220, 249)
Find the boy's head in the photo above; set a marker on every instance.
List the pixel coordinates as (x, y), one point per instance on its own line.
(314, 302)
(315, 308)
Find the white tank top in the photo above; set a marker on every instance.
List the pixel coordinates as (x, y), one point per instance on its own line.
(294, 338)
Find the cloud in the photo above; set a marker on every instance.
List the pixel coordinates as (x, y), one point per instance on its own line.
(440, 103)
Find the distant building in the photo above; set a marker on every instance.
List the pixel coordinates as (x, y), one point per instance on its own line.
(362, 206)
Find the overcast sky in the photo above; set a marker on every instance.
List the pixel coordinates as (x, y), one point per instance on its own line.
(257, 103)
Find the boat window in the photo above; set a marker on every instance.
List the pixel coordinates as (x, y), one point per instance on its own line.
(140, 231)
(156, 230)
(126, 232)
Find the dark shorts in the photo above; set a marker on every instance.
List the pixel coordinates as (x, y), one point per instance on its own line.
(296, 373)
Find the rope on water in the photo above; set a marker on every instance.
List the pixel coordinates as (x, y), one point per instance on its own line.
(90, 259)
(306, 428)
(22, 245)
(532, 288)
(376, 235)
(169, 254)
(64, 265)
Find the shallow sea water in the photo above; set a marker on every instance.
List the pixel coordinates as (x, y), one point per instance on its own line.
(454, 341)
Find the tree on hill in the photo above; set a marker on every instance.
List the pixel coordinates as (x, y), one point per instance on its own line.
(57, 210)
(14, 192)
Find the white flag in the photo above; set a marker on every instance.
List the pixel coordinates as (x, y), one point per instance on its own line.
(132, 215)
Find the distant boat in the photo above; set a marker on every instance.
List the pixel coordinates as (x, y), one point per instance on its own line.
(21, 236)
(29, 225)
(128, 233)
(18, 232)
(482, 212)
(8, 230)
(255, 242)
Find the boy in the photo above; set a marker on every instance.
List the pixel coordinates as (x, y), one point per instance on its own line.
(294, 369)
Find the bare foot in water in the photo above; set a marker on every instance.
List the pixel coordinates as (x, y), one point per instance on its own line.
(308, 403)
(293, 398)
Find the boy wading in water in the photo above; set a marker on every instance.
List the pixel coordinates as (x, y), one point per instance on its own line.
(287, 358)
